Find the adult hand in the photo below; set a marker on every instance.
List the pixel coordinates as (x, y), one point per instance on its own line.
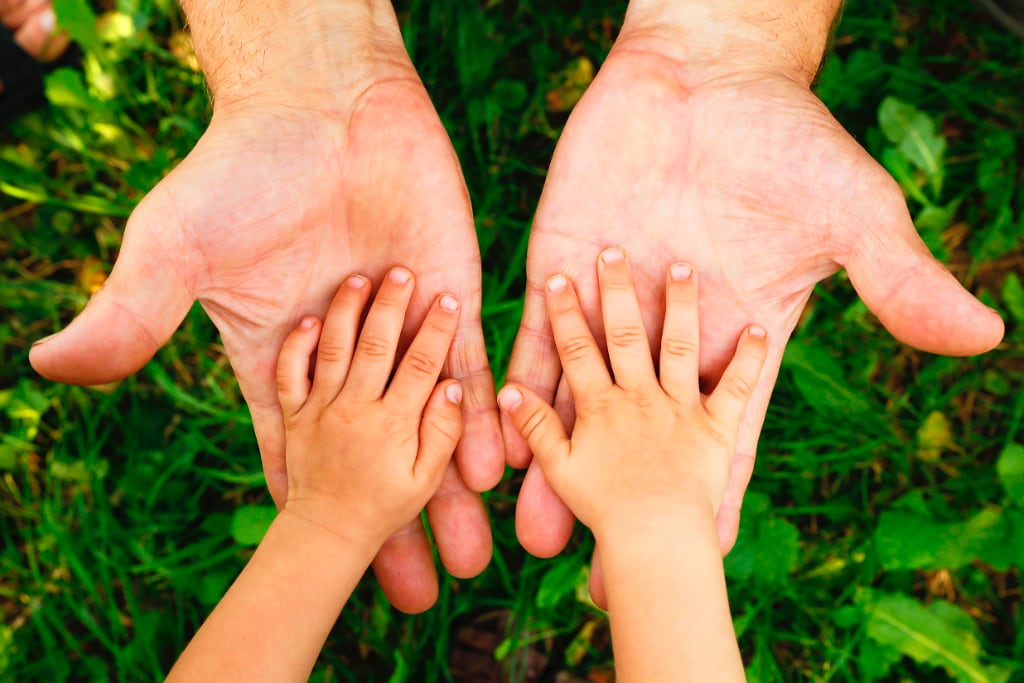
(732, 164)
(295, 185)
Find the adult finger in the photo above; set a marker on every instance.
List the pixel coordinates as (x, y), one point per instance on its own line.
(596, 583)
(37, 31)
(544, 522)
(374, 357)
(534, 363)
(404, 568)
(460, 526)
(914, 296)
(139, 306)
(629, 349)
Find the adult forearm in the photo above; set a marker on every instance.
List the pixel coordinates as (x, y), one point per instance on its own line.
(300, 49)
(272, 623)
(784, 35)
(667, 603)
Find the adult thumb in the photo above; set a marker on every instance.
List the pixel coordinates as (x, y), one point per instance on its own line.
(129, 318)
(917, 299)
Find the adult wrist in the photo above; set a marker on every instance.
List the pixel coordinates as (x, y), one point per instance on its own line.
(318, 53)
(721, 38)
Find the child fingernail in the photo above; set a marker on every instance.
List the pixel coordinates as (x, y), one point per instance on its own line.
(449, 303)
(557, 283)
(400, 275)
(757, 331)
(680, 271)
(509, 399)
(613, 255)
(453, 392)
(307, 323)
(47, 21)
(356, 282)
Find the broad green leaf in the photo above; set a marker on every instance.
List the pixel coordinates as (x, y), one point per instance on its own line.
(1008, 552)
(66, 89)
(1010, 468)
(822, 382)
(939, 635)
(904, 540)
(79, 20)
(914, 134)
(767, 547)
(250, 523)
(1013, 296)
(559, 581)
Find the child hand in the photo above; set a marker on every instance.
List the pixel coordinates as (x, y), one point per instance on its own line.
(644, 449)
(364, 455)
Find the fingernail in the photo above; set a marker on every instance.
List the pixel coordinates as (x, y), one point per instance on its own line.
(400, 275)
(44, 339)
(757, 331)
(680, 271)
(307, 323)
(453, 392)
(47, 21)
(557, 283)
(509, 399)
(613, 255)
(356, 281)
(449, 303)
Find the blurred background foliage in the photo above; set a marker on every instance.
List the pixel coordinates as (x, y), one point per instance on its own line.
(883, 535)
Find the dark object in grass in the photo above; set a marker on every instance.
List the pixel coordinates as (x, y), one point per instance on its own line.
(21, 79)
(1009, 13)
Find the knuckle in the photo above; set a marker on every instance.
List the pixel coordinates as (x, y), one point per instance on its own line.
(575, 348)
(373, 346)
(624, 336)
(532, 425)
(738, 388)
(422, 363)
(679, 348)
(332, 353)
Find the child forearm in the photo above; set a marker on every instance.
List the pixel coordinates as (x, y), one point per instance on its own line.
(667, 602)
(273, 621)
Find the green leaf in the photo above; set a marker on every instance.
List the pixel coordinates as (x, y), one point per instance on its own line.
(822, 382)
(559, 581)
(1010, 468)
(250, 523)
(1013, 296)
(905, 540)
(78, 19)
(66, 89)
(940, 635)
(914, 134)
(767, 547)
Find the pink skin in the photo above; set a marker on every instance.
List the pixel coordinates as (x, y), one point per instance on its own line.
(261, 229)
(34, 27)
(749, 178)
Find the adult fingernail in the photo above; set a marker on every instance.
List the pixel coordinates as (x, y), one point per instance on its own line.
(449, 303)
(680, 271)
(557, 283)
(47, 21)
(453, 392)
(45, 339)
(509, 399)
(757, 331)
(356, 281)
(400, 275)
(613, 255)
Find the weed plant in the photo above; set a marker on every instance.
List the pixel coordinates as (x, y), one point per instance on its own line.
(883, 533)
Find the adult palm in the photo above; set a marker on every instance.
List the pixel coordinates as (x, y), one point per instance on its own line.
(274, 207)
(749, 178)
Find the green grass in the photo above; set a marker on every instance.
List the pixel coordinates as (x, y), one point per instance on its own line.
(884, 535)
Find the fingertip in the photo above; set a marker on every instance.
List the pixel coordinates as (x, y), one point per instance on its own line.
(453, 392)
(448, 303)
(757, 332)
(510, 398)
(680, 272)
(557, 283)
(400, 275)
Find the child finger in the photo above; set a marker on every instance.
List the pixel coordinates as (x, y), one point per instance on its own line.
(537, 422)
(375, 351)
(338, 339)
(417, 373)
(679, 365)
(293, 385)
(582, 363)
(729, 399)
(629, 349)
(440, 431)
